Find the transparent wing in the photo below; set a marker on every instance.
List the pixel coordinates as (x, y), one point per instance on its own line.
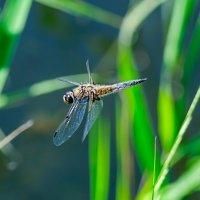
(93, 113)
(88, 70)
(71, 123)
(68, 81)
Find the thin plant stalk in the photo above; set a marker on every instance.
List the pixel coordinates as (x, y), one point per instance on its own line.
(15, 133)
(154, 166)
(178, 140)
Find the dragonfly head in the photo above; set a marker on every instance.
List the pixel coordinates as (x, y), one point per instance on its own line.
(68, 97)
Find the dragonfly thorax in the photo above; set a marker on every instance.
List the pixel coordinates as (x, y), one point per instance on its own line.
(68, 97)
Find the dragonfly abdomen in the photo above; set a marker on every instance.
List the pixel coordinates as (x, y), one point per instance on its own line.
(127, 84)
(103, 90)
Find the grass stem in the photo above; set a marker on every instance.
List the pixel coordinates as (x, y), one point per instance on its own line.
(178, 140)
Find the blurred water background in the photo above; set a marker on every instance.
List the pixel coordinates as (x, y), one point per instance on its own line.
(55, 44)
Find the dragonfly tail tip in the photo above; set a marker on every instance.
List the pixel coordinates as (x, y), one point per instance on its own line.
(83, 138)
(142, 80)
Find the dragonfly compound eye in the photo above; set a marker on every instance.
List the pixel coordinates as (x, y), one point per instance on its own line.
(68, 97)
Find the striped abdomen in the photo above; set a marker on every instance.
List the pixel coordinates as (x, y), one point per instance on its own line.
(103, 90)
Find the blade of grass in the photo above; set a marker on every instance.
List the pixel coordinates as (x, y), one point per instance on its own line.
(12, 22)
(99, 160)
(172, 52)
(187, 183)
(154, 167)
(82, 8)
(15, 133)
(192, 55)
(189, 149)
(10, 152)
(145, 192)
(178, 140)
(166, 113)
(123, 188)
(143, 135)
(182, 11)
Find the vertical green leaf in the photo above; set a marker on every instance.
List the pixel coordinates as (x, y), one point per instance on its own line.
(143, 138)
(192, 55)
(123, 188)
(166, 117)
(12, 21)
(99, 160)
(169, 122)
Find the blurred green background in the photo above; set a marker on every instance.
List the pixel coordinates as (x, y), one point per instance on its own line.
(123, 40)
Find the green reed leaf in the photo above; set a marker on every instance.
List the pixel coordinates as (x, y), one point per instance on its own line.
(99, 160)
(143, 138)
(84, 9)
(12, 22)
(167, 107)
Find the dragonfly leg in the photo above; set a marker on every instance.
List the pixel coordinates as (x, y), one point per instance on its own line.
(94, 95)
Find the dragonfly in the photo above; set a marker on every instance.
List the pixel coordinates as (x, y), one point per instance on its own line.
(85, 97)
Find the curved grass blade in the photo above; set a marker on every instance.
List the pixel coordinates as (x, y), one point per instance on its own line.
(82, 8)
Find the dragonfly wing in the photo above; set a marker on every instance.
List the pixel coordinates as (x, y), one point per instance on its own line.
(93, 113)
(71, 123)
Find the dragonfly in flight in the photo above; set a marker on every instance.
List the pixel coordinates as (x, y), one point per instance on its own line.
(82, 95)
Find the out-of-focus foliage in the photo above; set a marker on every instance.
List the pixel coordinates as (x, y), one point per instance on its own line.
(121, 151)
